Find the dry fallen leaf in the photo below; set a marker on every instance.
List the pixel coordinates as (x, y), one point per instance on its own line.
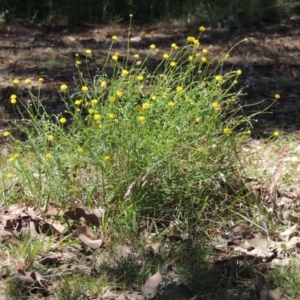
(93, 244)
(262, 242)
(26, 279)
(264, 295)
(276, 262)
(155, 247)
(109, 296)
(240, 228)
(78, 212)
(56, 225)
(4, 232)
(272, 191)
(32, 229)
(123, 250)
(53, 211)
(85, 230)
(152, 284)
(14, 241)
(289, 231)
(121, 297)
(38, 277)
(274, 294)
(292, 242)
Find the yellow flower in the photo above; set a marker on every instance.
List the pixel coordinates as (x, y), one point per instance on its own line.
(190, 39)
(227, 130)
(202, 28)
(197, 120)
(78, 102)
(219, 78)
(131, 15)
(100, 126)
(85, 89)
(125, 73)
(171, 104)
(88, 51)
(11, 159)
(97, 117)
(276, 133)
(63, 87)
(5, 133)
(62, 120)
(115, 57)
(41, 80)
(16, 81)
(249, 132)
(191, 58)
(142, 119)
(138, 108)
(87, 103)
(277, 96)
(27, 81)
(94, 101)
(13, 99)
(166, 56)
(204, 51)
(78, 62)
(216, 105)
(119, 94)
(173, 63)
(112, 116)
(48, 155)
(174, 46)
(196, 42)
(239, 72)
(80, 150)
(146, 106)
(138, 63)
(106, 158)
(9, 176)
(140, 78)
(91, 111)
(152, 46)
(50, 137)
(103, 84)
(117, 54)
(235, 82)
(114, 38)
(111, 99)
(136, 56)
(179, 89)
(203, 59)
(154, 98)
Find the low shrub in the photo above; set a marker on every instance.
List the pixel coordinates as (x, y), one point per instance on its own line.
(159, 145)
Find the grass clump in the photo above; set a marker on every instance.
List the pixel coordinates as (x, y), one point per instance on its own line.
(141, 144)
